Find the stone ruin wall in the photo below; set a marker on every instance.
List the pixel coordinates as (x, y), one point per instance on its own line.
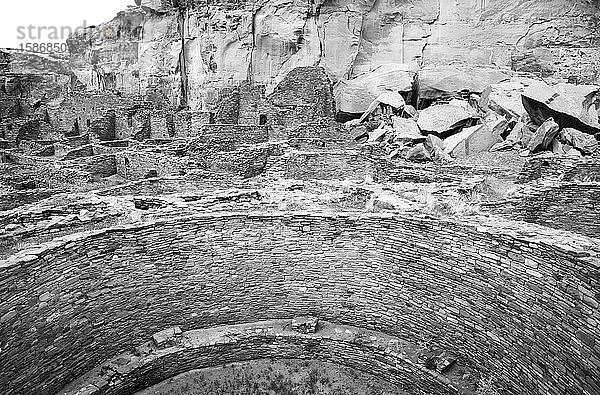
(262, 41)
(171, 353)
(560, 168)
(560, 205)
(502, 300)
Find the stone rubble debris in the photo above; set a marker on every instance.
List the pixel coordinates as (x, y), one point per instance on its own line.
(571, 106)
(305, 324)
(354, 96)
(166, 337)
(585, 143)
(389, 98)
(445, 118)
(471, 141)
(543, 137)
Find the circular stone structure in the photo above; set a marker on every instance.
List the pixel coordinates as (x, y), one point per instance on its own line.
(519, 301)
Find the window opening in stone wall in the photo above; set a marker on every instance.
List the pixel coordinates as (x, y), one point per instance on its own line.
(211, 118)
(262, 119)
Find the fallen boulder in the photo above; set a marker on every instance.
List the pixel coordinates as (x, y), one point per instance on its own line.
(406, 130)
(585, 143)
(560, 148)
(571, 106)
(410, 112)
(434, 83)
(504, 98)
(435, 146)
(516, 137)
(419, 153)
(354, 96)
(471, 141)
(389, 98)
(445, 118)
(542, 139)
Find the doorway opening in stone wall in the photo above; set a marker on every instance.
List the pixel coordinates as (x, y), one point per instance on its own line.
(262, 119)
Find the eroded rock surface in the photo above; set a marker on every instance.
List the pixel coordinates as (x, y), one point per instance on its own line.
(143, 49)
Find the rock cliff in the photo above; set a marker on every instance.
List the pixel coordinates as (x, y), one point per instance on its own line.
(186, 51)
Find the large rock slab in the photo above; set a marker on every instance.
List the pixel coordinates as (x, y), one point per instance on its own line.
(354, 96)
(451, 81)
(444, 118)
(471, 141)
(504, 98)
(543, 137)
(406, 130)
(571, 106)
(585, 143)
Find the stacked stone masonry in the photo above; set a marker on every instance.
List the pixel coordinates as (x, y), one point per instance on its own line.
(561, 205)
(523, 307)
(172, 352)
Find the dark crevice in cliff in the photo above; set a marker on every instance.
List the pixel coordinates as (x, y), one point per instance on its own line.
(252, 44)
(182, 61)
(431, 25)
(320, 32)
(350, 72)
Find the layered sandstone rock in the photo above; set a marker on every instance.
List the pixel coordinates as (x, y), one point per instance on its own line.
(186, 51)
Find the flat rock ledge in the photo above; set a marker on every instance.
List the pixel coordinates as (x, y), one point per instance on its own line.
(154, 361)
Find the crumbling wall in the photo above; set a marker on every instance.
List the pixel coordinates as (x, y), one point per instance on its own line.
(499, 297)
(305, 95)
(560, 168)
(328, 165)
(562, 205)
(373, 352)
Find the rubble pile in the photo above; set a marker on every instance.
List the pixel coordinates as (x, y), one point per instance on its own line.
(517, 114)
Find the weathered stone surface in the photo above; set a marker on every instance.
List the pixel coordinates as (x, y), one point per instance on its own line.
(444, 118)
(471, 141)
(585, 143)
(300, 255)
(543, 137)
(355, 95)
(571, 106)
(516, 138)
(452, 81)
(505, 97)
(226, 42)
(305, 324)
(166, 337)
(391, 99)
(406, 130)
(419, 153)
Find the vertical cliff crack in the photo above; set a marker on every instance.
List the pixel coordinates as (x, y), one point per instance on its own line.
(360, 41)
(431, 25)
(182, 61)
(320, 36)
(249, 76)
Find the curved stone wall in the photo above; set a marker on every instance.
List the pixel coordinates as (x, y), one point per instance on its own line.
(509, 301)
(573, 206)
(172, 352)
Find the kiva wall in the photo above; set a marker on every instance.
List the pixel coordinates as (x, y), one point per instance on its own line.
(568, 205)
(524, 308)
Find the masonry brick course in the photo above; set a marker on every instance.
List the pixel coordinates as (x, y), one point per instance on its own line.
(562, 205)
(176, 352)
(560, 168)
(493, 293)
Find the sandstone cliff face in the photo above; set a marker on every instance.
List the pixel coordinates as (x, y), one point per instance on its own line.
(186, 51)
(29, 85)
